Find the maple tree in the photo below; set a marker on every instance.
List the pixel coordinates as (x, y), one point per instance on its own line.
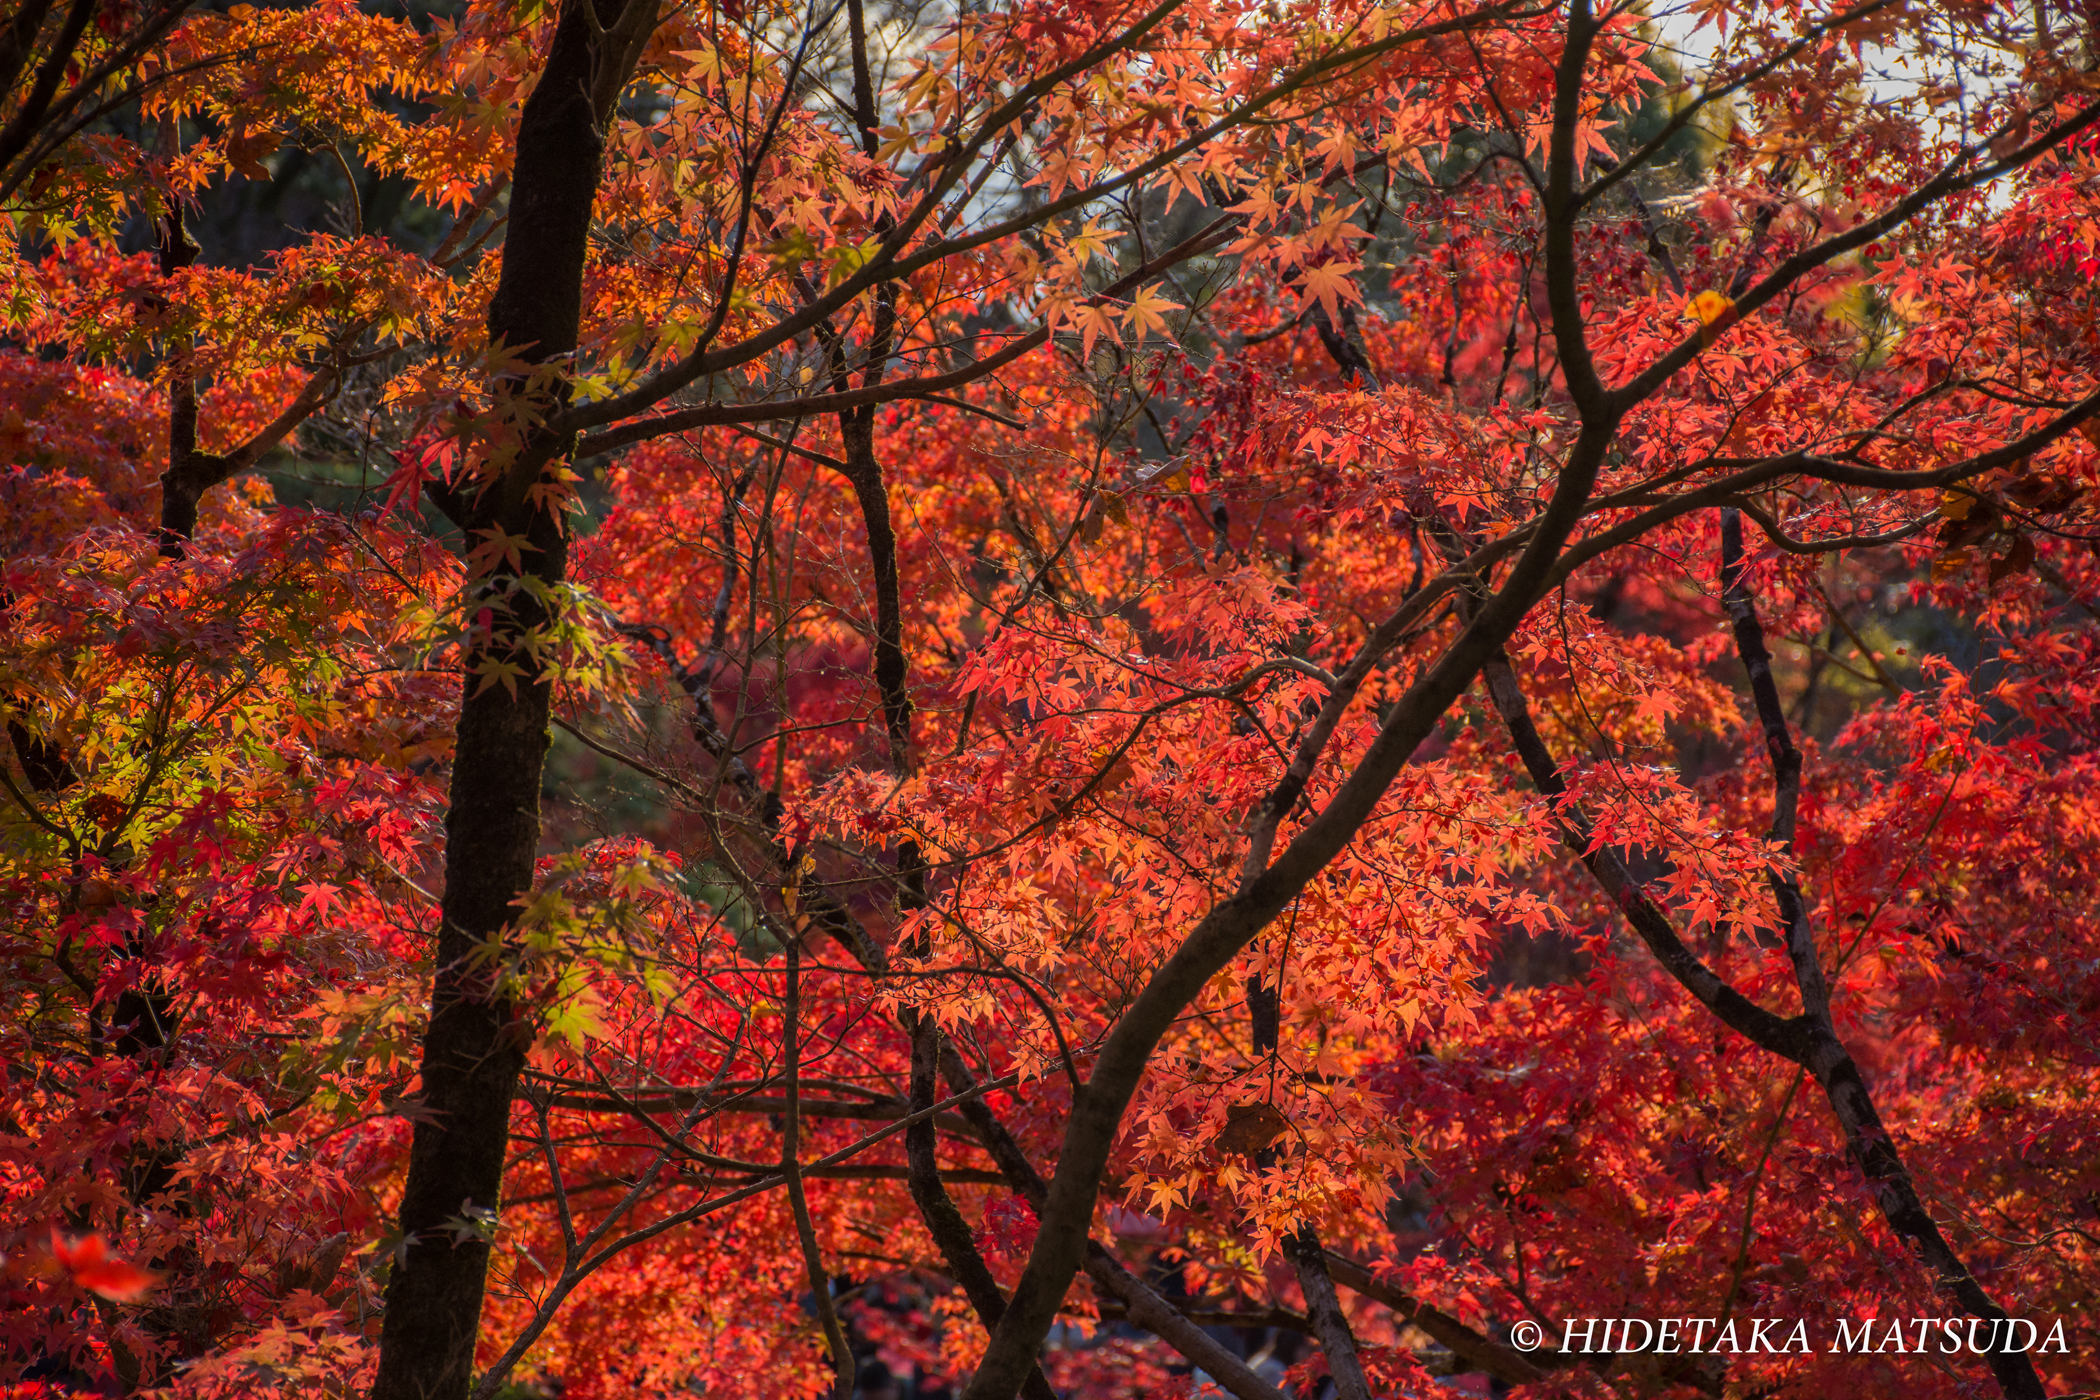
(1368, 671)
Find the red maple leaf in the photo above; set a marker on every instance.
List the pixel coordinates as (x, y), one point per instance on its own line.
(89, 1263)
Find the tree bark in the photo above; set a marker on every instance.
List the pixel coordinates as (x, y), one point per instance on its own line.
(179, 493)
(943, 1221)
(474, 1046)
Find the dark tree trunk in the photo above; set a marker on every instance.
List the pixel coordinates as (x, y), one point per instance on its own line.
(475, 1045)
(179, 494)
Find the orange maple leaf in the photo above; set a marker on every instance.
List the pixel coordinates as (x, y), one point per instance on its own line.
(89, 1263)
(1714, 311)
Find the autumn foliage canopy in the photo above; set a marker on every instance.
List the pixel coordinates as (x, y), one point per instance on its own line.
(1048, 697)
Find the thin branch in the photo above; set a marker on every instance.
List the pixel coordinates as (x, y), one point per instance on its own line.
(791, 1142)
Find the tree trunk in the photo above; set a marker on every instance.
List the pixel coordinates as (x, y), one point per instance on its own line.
(475, 1045)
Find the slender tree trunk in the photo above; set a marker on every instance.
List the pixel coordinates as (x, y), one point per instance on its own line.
(475, 1044)
(1827, 1058)
(943, 1220)
(179, 493)
(473, 1048)
(1807, 1040)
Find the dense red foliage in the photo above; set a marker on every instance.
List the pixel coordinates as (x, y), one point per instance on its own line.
(1257, 581)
